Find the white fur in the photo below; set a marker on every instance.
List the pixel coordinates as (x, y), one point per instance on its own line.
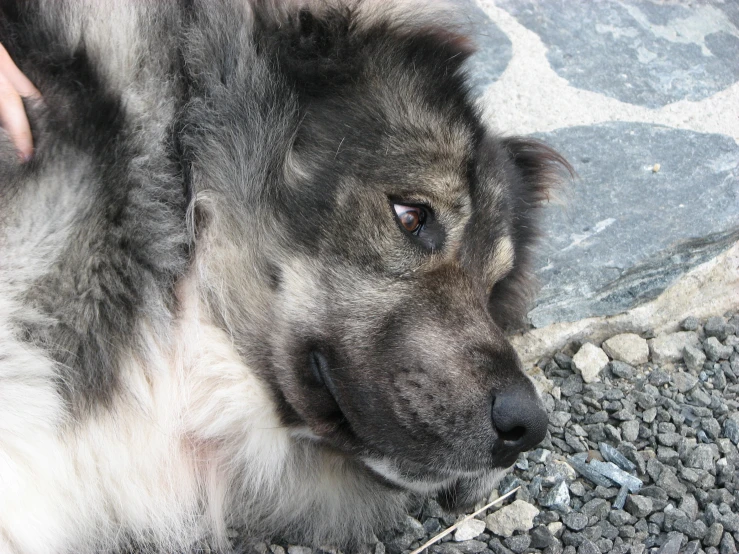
(77, 484)
(192, 446)
(192, 443)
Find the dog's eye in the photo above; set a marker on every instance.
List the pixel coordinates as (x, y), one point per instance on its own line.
(412, 218)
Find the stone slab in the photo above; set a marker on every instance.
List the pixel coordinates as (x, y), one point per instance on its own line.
(629, 249)
(710, 288)
(626, 232)
(640, 52)
(494, 49)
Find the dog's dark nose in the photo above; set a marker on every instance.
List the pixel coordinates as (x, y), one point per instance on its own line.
(519, 419)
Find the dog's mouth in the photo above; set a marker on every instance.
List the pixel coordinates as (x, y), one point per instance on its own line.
(456, 491)
(414, 477)
(333, 415)
(321, 371)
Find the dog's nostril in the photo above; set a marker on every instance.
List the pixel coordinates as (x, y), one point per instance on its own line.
(514, 435)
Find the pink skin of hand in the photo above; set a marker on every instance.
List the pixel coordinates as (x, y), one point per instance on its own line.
(14, 86)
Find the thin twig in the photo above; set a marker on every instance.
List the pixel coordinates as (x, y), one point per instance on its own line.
(460, 522)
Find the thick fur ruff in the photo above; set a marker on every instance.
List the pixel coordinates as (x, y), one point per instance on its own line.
(212, 315)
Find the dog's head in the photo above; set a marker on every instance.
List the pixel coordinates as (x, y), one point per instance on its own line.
(393, 243)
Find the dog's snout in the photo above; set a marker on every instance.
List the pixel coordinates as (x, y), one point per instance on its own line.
(519, 420)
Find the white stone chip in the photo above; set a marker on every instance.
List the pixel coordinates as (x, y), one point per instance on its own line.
(555, 528)
(628, 348)
(299, 550)
(685, 382)
(517, 516)
(669, 347)
(469, 530)
(590, 361)
(542, 382)
(694, 358)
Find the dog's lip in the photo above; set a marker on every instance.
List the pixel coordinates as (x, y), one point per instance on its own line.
(504, 461)
(321, 371)
(420, 482)
(430, 476)
(316, 363)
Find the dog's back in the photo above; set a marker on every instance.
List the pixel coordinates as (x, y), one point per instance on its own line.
(93, 233)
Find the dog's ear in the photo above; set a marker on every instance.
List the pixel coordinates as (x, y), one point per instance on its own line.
(323, 46)
(539, 166)
(535, 171)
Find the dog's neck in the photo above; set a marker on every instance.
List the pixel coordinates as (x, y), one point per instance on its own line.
(246, 459)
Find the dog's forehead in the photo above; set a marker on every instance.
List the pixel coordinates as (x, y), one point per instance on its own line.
(441, 158)
(432, 153)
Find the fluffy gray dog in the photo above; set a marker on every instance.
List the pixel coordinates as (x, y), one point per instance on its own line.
(256, 275)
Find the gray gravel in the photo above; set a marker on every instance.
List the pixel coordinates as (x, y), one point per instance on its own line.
(642, 460)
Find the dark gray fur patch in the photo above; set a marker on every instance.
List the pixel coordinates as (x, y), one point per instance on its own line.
(128, 246)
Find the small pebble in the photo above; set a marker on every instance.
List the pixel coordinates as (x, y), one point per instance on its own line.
(690, 323)
(620, 500)
(558, 497)
(610, 454)
(469, 530)
(628, 348)
(727, 544)
(694, 358)
(589, 362)
(617, 475)
(638, 506)
(518, 543)
(672, 546)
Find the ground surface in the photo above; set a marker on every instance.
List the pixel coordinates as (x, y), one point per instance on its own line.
(643, 98)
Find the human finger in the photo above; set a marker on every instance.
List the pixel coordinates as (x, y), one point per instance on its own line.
(13, 118)
(15, 76)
